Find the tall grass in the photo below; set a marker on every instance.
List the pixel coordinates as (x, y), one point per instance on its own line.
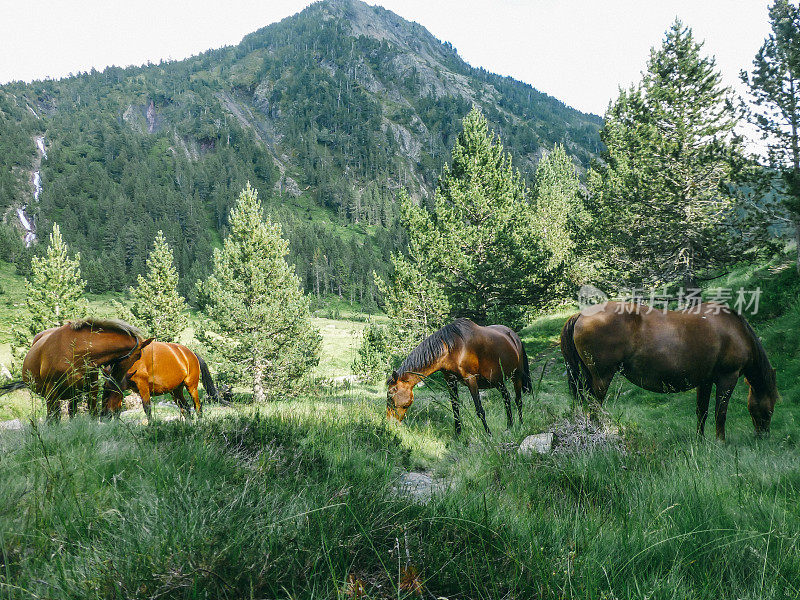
(299, 499)
(294, 501)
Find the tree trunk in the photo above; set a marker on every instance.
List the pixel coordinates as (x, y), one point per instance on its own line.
(689, 276)
(690, 281)
(797, 241)
(259, 395)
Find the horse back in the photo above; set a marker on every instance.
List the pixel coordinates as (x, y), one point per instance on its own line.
(63, 350)
(710, 338)
(32, 363)
(164, 365)
(493, 352)
(659, 349)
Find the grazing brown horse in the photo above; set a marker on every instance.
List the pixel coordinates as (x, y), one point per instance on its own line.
(671, 351)
(480, 357)
(65, 361)
(167, 367)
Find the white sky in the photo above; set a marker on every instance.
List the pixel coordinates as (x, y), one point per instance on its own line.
(579, 51)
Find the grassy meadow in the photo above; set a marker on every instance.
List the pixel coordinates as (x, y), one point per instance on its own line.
(299, 498)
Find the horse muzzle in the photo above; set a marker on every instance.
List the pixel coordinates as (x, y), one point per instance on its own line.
(395, 413)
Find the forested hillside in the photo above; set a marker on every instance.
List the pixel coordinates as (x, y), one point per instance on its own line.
(329, 113)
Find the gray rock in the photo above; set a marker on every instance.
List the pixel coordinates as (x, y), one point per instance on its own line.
(167, 404)
(12, 425)
(290, 187)
(540, 443)
(418, 486)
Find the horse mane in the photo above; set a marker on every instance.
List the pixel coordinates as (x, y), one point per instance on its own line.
(760, 359)
(433, 346)
(107, 325)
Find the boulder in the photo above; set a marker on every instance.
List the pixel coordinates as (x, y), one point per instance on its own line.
(541, 443)
(12, 425)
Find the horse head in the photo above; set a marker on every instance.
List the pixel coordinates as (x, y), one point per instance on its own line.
(761, 402)
(399, 395)
(125, 362)
(116, 374)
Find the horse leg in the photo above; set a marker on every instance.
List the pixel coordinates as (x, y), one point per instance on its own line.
(599, 388)
(472, 386)
(180, 400)
(600, 385)
(703, 398)
(72, 401)
(501, 385)
(196, 398)
(53, 406)
(452, 388)
(144, 394)
(518, 396)
(725, 386)
(94, 391)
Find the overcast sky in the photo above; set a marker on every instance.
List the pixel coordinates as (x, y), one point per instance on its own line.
(579, 51)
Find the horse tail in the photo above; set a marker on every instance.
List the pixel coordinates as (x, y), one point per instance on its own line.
(527, 386)
(208, 382)
(12, 386)
(576, 368)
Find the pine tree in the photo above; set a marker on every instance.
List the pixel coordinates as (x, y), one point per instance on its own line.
(157, 305)
(775, 86)
(415, 303)
(561, 216)
(481, 242)
(671, 152)
(374, 354)
(259, 322)
(54, 293)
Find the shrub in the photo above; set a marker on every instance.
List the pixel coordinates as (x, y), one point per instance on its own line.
(373, 359)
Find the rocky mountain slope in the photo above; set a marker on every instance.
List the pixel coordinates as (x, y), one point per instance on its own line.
(328, 113)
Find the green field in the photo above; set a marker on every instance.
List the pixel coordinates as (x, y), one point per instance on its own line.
(299, 499)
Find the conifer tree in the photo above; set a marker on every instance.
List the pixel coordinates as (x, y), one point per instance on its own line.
(259, 317)
(671, 152)
(415, 303)
(561, 216)
(775, 86)
(157, 305)
(54, 293)
(373, 356)
(481, 242)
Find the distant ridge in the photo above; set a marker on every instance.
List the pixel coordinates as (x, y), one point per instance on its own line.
(329, 113)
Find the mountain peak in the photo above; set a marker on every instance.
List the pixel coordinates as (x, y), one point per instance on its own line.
(381, 24)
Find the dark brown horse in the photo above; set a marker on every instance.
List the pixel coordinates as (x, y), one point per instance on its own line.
(480, 357)
(65, 361)
(671, 351)
(169, 368)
